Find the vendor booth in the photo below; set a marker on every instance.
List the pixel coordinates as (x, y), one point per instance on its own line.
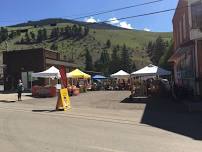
(79, 82)
(99, 83)
(49, 90)
(147, 80)
(122, 80)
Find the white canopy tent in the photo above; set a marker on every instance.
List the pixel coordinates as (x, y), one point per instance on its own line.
(148, 72)
(52, 72)
(151, 70)
(120, 75)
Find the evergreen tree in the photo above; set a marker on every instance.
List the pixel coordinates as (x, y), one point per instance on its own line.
(3, 34)
(67, 33)
(54, 46)
(103, 63)
(163, 62)
(55, 33)
(12, 35)
(150, 49)
(86, 30)
(125, 59)
(22, 41)
(27, 38)
(33, 37)
(108, 44)
(44, 33)
(89, 60)
(40, 36)
(158, 51)
(115, 60)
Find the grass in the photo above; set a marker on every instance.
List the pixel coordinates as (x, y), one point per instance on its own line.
(95, 41)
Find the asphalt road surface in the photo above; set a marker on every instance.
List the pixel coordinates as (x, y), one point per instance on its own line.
(98, 122)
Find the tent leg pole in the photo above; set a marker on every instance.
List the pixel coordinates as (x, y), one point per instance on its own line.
(31, 83)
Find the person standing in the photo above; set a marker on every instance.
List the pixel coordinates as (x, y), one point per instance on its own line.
(20, 89)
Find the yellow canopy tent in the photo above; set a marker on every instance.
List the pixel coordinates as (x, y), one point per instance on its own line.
(78, 74)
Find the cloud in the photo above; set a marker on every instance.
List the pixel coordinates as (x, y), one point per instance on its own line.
(147, 29)
(91, 20)
(114, 20)
(125, 25)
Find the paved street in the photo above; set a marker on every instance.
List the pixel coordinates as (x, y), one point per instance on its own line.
(98, 122)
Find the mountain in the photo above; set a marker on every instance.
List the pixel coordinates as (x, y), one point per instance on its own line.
(72, 47)
(55, 21)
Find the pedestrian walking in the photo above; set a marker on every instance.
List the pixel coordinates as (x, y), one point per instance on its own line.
(20, 89)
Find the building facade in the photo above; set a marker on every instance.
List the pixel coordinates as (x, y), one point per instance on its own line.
(21, 63)
(187, 55)
(1, 72)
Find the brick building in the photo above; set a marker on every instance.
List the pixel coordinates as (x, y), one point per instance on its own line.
(21, 63)
(187, 55)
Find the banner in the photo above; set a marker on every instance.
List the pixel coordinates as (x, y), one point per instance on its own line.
(63, 76)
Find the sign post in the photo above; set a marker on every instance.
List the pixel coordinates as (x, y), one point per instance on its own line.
(63, 101)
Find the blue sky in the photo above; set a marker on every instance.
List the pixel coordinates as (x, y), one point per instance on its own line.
(17, 11)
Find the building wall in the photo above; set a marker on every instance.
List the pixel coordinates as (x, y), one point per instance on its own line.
(21, 61)
(181, 24)
(199, 43)
(1, 65)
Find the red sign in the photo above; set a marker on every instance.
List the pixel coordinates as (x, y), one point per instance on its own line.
(63, 76)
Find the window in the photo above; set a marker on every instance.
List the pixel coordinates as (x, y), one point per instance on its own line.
(196, 13)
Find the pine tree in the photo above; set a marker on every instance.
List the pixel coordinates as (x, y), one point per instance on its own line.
(40, 36)
(108, 44)
(22, 41)
(54, 46)
(44, 33)
(150, 49)
(55, 33)
(33, 37)
(125, 59)
(3, 34)
(103, 63)
(89, 60)
(86, 30)
(163, 62)
(27, 38)
(67, 33)
(158, 51)
(115, 60)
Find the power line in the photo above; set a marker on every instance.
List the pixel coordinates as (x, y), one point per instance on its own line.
(98, 13)
(134, 16)
(118, 9)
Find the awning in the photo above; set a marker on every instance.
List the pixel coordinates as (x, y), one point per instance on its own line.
(99, 77)
(179, 52)
(120, 75)
(176, 55)
(78, 74)
(151, 70)
(52, 72)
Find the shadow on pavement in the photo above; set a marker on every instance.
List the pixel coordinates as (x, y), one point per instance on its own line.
(44, 110)
(174, 117)
(7, 101)
(140, 100)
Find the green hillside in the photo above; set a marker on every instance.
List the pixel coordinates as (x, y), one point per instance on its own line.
(95, 40)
